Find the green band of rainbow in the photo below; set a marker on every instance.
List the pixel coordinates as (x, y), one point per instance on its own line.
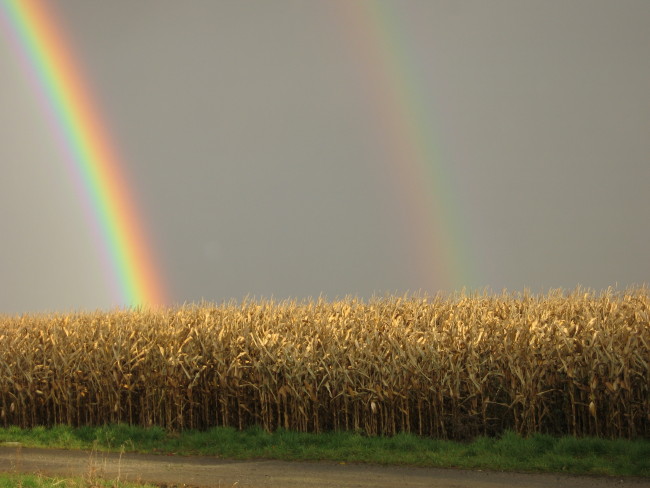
(95, 159)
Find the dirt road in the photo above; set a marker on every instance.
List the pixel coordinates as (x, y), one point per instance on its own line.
(218, 473)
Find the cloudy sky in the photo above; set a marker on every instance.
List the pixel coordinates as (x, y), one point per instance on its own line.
(262, 142)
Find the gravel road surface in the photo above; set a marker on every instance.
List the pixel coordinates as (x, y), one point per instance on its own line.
(197, 471)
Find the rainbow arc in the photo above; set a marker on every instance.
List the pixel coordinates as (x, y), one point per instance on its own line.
(93, 157)
(379, 36)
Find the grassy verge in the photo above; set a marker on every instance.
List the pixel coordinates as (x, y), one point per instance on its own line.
(510, 452)
(12, 480)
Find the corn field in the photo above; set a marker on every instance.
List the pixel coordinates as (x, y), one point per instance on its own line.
(449, 367)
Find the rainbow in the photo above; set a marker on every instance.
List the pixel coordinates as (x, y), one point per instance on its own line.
(93, 158)
(380, 42)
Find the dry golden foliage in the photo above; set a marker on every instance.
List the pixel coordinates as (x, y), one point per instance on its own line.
(451, 367)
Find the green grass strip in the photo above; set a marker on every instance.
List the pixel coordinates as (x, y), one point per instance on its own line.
(12, 480)
(510, 452)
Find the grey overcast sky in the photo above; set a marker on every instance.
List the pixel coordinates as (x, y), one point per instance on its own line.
(254, 150)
